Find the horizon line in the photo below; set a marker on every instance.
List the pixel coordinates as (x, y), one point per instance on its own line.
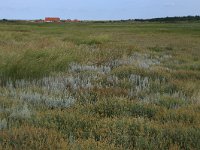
(104, 19)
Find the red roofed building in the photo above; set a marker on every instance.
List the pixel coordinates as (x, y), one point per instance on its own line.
(49, 19)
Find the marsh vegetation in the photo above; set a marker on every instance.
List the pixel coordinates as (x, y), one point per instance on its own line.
(100, 86)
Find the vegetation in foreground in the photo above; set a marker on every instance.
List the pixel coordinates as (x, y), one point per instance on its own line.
(100, 86)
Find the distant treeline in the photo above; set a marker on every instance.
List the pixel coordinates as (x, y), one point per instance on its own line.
(166, 19)
(12, 21)
(171, 19)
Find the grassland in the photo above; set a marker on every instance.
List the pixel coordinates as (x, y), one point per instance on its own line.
(100, 86)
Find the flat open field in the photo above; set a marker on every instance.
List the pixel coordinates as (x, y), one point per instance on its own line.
(100, 86)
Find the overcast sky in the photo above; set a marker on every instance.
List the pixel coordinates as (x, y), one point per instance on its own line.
(97, 9)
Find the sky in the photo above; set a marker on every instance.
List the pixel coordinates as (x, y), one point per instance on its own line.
(97, 9)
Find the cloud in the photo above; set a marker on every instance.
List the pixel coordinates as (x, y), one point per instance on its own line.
(169, 4)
